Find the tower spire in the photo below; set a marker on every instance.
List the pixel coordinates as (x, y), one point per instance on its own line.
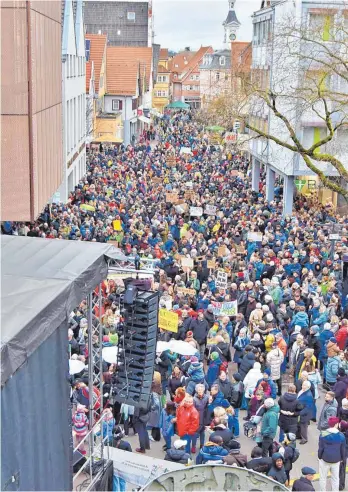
(231, 24)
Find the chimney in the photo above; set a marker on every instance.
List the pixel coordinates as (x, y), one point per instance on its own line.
(99, 32)
(187, 48)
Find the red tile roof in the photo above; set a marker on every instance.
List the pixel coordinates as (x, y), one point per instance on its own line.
(164, 55)
(196, 60)
(97, 49)
(122, 66)
(162, 69)
(241, 53)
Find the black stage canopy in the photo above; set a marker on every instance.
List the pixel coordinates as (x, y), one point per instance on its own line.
(42, 281)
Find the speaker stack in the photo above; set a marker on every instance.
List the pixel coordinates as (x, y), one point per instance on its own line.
(137, 350)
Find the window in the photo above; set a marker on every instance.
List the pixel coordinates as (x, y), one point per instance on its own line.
(321, 25)
(134, 104)
(176, 65)
(197, 77)
(116, 105)
(192, 77)
(217, 76)
(118, 32)
(87, 48)
(131, 16)
(222, 60)
(162, 78)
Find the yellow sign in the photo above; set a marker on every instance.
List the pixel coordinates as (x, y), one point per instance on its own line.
(117, 225)
(167, 320)
(190, 292)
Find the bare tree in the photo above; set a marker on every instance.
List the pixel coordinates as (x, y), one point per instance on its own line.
(308, 80)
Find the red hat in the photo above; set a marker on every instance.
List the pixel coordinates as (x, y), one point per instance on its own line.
(333, 421)
(189, 334)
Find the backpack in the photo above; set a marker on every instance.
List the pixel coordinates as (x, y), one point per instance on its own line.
(80, 423)
(295, 455)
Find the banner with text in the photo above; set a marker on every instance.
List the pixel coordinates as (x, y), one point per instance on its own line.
(225, 308)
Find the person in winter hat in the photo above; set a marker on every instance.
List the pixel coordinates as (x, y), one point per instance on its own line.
(289, 452)
(290, 409)
(195, 375)
(277, 471)
(235, 457)
(80, 427)
(200, 401)
(212, 451)
(304, 483)
(332, 450)
(269, 425)
(342, 413)
(108, 424)
(340, 387)
(343, 427)
(332, 367)
(177, 453)
(274, 361)
(213, 368)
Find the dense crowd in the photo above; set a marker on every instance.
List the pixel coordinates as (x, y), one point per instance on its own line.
(282, 274)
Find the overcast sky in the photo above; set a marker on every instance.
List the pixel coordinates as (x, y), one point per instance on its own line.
(180, 23)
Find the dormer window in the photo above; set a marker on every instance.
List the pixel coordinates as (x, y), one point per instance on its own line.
(222, 60)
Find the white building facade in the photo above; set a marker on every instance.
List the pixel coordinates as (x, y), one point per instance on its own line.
(74, 98)
(277, 68)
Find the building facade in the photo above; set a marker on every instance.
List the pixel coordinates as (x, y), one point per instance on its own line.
(215, 75)
(310, 127)
(126, 23)
(31, 107)
(161, 89)
(74, 98)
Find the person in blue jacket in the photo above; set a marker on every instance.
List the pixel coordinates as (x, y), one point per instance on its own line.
(212, 451)
(213, 368)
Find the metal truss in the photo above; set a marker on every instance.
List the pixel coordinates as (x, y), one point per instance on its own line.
(147, 265)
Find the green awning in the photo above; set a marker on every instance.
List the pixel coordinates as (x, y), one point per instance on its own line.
(215, 128)
(178, 105)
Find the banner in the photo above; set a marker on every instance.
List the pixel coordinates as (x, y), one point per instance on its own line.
(183, 290)
(255, 237)
(167, 320)
(196, 211)
(221, 280)
(186, 262)
(138, 469)
(210, 210)
(222, 251)
(172, 197)
(225, 308)
(211, 263)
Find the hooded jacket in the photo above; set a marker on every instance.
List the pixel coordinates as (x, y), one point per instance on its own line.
(341, 337)
(332, 446)
(213, 370)
(196, 372)
(289, 403)
(303, 485)
(340, 389)
(246, 364)
(324, 337)
(270, 422)
(177, 456)
(200, 330)
(332, 349)
(329, 410)
(187, 419)
(251, 379)
(218, 401)
(237, 394)
(235, 457)
(300, 319)
(211, 452)
(277, 474)
(225, 387)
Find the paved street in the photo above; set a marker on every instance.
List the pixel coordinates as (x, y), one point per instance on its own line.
(308, 451)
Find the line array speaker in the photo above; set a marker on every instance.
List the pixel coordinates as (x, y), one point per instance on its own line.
(138, 350)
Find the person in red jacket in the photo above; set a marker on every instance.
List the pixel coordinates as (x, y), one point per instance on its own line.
(342, 334)
(187, 421)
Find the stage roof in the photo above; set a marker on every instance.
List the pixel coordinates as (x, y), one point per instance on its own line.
(42, 281)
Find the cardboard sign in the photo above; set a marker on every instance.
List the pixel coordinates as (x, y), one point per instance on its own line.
(196, 211)
(186, 262)
(170, 161)
(225, 308)
(222, 250)
(210, 210)
(117, 225)
(234, 172)
(181, 208)
(255, 237)
(221, 280)
(156, 180)
(172, 197)
(189, 292)
(189, 194)
(211, 263)
(168, 320)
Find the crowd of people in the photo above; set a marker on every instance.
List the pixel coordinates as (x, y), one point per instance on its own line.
(282, 275)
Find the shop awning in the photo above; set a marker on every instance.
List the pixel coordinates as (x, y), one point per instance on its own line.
(144, 119)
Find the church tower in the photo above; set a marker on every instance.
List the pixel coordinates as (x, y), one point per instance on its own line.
(231, 24)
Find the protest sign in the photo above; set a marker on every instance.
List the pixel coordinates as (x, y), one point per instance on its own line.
(255, 237)
(189, 292)
(222, 250)
(181, 208)
(167, 320)
(211, 263)
(157, 180)
(221, 280)
(186, 262)
(210, 210)
(225, 308)
(234, 172)
(171, 161)
(172, 197)
(117, 225)
(189, 194)
(196, 211)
